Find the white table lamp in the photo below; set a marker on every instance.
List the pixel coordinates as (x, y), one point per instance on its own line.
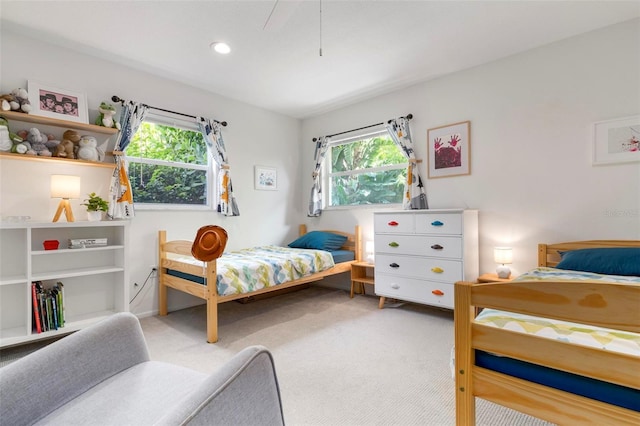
(504, 256)
(369, 250)
(66, 187)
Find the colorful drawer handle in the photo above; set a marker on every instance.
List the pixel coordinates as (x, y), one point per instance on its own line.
(437, 247)
(437, 270)
(393, 223)
(437, 292)
(393, 244)
(437, 223)
(394, 265)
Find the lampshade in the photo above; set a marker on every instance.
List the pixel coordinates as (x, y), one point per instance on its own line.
(65, 186)
(503, 255)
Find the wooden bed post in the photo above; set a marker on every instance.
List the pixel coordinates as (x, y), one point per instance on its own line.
(463, 315)
(212, 302)
(542, 255)
(162, 289)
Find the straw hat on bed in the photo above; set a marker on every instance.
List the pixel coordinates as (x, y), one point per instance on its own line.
(209, 243)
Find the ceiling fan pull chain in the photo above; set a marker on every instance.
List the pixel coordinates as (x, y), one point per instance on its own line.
(320, 27)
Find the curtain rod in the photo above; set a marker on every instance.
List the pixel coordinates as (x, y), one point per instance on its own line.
(115, 98)
(408, 117)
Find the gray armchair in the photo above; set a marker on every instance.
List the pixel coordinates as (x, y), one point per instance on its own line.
(102, 375)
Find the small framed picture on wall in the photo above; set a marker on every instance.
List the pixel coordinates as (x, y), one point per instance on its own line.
(616, 141)
(54, 102)
(266, 178)
(449, 150)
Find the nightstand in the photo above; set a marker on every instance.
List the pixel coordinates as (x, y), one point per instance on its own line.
(493, 278)
(359, 275)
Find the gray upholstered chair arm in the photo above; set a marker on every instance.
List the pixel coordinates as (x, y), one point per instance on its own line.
(244, 391)
(34, 386)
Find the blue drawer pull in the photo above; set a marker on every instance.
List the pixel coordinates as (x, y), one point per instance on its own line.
(437, 223)
(394, 265)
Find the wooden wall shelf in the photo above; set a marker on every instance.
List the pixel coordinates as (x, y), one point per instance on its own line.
(36, 119)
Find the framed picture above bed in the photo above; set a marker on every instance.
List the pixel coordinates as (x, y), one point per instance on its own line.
(449, 150)
(54, 102)
(616, 141)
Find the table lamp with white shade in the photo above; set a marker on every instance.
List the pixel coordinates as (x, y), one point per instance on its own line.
(369, 251)
(503, 256)
(66, 187)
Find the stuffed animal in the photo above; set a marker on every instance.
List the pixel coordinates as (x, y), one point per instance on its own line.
(107, 111)
(88, 149)
(17, 100)
(67, 146)
(38, 142)
(65, 149)
(5, 139)
(22, 148)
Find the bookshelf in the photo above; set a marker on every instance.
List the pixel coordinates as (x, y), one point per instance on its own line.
(95, 278)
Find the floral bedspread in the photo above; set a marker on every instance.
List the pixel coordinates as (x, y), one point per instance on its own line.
(614, 340)
(251, 269)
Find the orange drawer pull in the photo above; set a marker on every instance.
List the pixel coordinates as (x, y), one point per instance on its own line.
(437, 270)
(437, 292)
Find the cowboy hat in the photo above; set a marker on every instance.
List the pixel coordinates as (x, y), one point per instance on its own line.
(209, 243)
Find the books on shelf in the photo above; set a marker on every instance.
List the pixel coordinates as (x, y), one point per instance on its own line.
(48, 306)
(87, 242)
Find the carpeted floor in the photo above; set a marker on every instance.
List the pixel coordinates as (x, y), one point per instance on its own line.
(339, 361)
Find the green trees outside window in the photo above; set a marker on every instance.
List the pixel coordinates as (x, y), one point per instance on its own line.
(370, 170)
(168, 165)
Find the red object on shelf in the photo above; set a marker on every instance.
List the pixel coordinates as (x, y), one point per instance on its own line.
(51, 244)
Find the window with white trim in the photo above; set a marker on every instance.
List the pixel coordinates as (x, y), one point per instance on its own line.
(169, 166)
(364, 170)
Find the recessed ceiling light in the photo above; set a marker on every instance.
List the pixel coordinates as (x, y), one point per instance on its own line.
(220, 47)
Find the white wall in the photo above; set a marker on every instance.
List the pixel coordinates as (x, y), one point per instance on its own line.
(254, 136)
(531, 122)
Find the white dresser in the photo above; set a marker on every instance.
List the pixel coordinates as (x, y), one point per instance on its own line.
(420, 254)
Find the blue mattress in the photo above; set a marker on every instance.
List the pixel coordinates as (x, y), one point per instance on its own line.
(610, 393)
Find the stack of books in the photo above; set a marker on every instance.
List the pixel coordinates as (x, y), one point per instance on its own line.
(87, 242)
(48, 306)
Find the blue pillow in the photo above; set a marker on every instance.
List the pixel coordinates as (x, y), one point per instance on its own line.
(609, 261)
(319, 240)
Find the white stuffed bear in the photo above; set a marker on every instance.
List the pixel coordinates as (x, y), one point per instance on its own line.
(88, 149)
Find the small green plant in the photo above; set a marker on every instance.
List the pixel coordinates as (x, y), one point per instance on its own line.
(95, 203)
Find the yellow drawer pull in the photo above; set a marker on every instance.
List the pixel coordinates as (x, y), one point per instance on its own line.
(437, 270)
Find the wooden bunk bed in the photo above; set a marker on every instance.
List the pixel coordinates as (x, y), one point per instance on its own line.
(610, 305)
(207, 272)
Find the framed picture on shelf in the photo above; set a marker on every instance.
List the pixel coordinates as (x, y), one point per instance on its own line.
(616, 141)
(449, 150)
(266, 178)
(54, 102)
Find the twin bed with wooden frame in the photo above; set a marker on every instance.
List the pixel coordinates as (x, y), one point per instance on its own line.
(610, 305)
(170, 253)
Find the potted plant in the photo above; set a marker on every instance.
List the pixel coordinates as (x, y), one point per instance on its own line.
(95, 206)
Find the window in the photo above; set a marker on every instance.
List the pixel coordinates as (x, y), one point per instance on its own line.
(363, 170)
(169, 166)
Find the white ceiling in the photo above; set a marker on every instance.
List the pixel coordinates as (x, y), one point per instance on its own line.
(369, 47)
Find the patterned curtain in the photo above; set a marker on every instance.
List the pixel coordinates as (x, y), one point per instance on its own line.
(415, 196)
(215, 145)
(315, 201)
(120, 195)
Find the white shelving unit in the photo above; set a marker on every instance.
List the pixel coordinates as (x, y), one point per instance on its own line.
(95, 279)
